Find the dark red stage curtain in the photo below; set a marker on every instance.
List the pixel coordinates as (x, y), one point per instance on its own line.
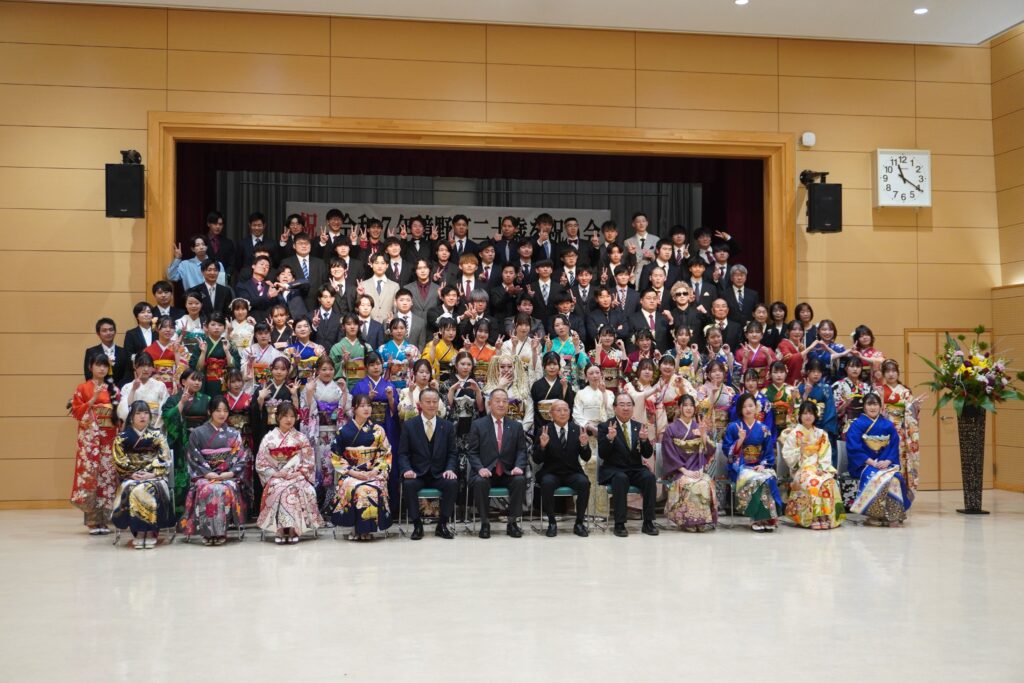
(733, 189)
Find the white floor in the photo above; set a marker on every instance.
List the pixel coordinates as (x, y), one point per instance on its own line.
(940, 599)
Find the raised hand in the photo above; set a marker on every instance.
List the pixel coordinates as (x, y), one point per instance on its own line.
(544, 438)
(584, 439)
(644, 435)
(323, 236)
(177, 250)
(742, 435)
(612, 431)
(433, 232)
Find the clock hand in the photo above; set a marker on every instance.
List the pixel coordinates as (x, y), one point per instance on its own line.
(900, 169)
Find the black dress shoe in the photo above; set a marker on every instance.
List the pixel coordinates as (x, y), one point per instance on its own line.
(513, 530)
(417, 530)
(485, 531)
(649, 529)
(580, 529)
(443, 531)
(620, 531)
(552, 530)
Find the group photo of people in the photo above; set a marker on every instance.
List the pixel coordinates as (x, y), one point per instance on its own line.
(360, 378)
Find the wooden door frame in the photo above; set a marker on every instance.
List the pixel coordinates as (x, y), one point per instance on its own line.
(777, 150)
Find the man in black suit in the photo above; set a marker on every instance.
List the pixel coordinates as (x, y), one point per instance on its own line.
(293, 292)
(545, 291)
(605, 313)
(143, 334)
(663, 261)
(623, 295)
(326, 320)
(497, 457)
(163, 294)
(294, 225)
(461, 244)
(623, 445)
(214, 297)
(560, 447)
(427, 458)
(306, 267)
(417, 244)
(732, 331)
(372, 330)
(219, 246)
(247, 246)
(650, 318)
(399, 270)
(488, 274)
(258, 290)
(506, 247)
(586, 254)
(121, 370)
(705, 291)
(331, 235)
(741, 299)
(543, 246)
(584, 291)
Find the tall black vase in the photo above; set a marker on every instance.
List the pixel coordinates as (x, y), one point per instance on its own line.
(971, 426)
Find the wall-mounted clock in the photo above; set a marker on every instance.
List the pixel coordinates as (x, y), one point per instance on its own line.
(903, 177)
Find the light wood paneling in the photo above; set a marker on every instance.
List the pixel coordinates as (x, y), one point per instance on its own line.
(957, 281)
(560, 113)
(852, 133)
(76, 311)
(947, 313)
(33, 188)
(35, 105)
(858, 244)
(710, 54)
(560, 47)
(82, 66)
(36, 479)
(855, 170)
(846, 60)
(1013, 271)
(36, 22)
(1011, 246)
(1011, 206)
(414, 40)
(849, 312)
(408, 80)
(846, 96)
(35, 146)
(72, 271)
(1007, 303)
(55, 348)
(423, 110)
(41, 438)
(681, 90)
(560, 85)
(706, 120)
(955, 136)
(62, 230)
(1009, 169)
(963, 173)
(280, 34)
(248, 103)
(958, 245)
(874, 281)
(954, 100)
(1008, 95)
(961, 210)
(1008, 132)
(952, 64)
(235, 72)
(1008, 58)
(50, 394)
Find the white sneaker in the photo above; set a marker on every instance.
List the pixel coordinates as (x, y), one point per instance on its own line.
(139, 543)
(150, 543)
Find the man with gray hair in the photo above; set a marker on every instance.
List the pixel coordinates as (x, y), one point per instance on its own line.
(559, 450)
(741, 299)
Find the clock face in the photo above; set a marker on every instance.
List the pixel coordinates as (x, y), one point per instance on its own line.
(903, 177)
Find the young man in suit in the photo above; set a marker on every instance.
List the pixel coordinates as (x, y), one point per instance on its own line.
(121, 370)
(642, 244)
(415, 326)
(260, 292)
(424, 291)
(216, 298)
(705, 291)
(417, 244)
(650, 317)
(371, 329)
(623, 445)
(163, 295)
(583, 291)
(306, 267)
(293, 292)
(561, 446)
(294, 225)
(497, 457)
(342, 285)
(624, 296)
(326, 320)
(142, 335)
(247, 246)
(399, 269)
(427, 457)
(461, 244)
(742, 300)
(380, 288)
(488, 274)
(732, 332)
(605, 312)
(332, 235)
(543, 246)
(545, 291)
(587, 256)
(506, 247)
(221, 248)
(663, 262)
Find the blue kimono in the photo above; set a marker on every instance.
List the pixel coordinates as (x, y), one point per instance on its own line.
(825, 356)
(396, 361)
(764, 410)
(385, 417)
(756, 491)
(880, 493)
(822, 398)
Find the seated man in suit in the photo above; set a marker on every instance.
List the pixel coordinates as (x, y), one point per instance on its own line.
(497, 457)
(623, 445)
(380, 288)
(741, 299)
(215, 298)
(293, 292)
(427, 458)
(560, 447)
(258, 290)
(121, 369)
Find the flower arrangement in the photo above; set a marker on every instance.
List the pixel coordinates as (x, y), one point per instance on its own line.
(973, 376)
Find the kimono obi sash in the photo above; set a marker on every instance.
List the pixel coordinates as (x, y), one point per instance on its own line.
(689, 445)
(855, 406)
(612, 377)
(355, 369)
(261, 373)
(283, 454)
(194, 421)
(378, 411)
(191, 340)
(304, 367)
(215, 369)
(671, 408)
(896, 410)
(327, 412)
(781, 410)
(164, 372)
(819, 407)
(720, 415)
(751, 454)
(480, 371)
(217, 458)
(104, 415)
(516, 409)
(238, 421)
(544, 408)
(876, 443)
(362, 457)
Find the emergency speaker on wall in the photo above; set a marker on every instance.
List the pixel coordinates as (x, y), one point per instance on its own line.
(126, 187)
(824, 203)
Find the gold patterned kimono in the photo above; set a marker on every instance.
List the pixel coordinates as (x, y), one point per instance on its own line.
(813, 490)
(142, 505)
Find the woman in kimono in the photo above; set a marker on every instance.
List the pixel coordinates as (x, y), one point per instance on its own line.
(783, 400)
(241, 328)
(848, 395)
(92, 406)
(218, 466)
(266, 399)
(441, 351)
(610, 356)
(322, 412)
(349, 354)
(873, 447)
(750, 450)
(189, 327)
(717, 351)
(482, 352)
(594, 405)
(166, 355)
(256, 359)
(285, 465)
(901, 408)
(183, 412)
(409, 398)
(826, 349)
(569, 348)
(384, 403)
(643, 390)
(303, 352)
(715, 399)
(644, 350)
(398, 354)
(750, 384)
(814, 498)
(754, 355)
(804, 314)
(818, 392)
(361, 455)
(215, 356)
(864, 348)
(672, 387)
(143, 388)
(143, 501)
(505, 372)
(686, 453)
(793, 352)
(686, 354)
(239, 407)
(524, 347)
(464, 398)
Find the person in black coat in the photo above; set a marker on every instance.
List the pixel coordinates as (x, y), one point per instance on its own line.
(219, 246)
(683, 314)
(550, 387)
(560, 447)
(245, 253)
(459, 238)
(497, 457)
(544, 307)
(587, 256)
(427, 457)
(506, 247)
(623, 445)
(260, 292)
(215, 298)
(306, 268)
(650, 311)
(732, 331)
(742, 300)
(135, 339)
(121, 371)
(705, 290)
(326, 319)
(605, 313)
(418, 244)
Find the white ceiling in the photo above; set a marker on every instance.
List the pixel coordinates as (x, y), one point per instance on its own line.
(948, 21)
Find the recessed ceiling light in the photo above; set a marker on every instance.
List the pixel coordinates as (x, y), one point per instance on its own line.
(742, 2)
(921, 10)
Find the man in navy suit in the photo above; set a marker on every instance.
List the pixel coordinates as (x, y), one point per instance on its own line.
(497, 457)
(372, 331)
(215, 298)
(560, 447)
(427, 458)
(623, 446)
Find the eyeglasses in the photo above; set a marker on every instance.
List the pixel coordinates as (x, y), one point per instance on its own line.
(678, 295)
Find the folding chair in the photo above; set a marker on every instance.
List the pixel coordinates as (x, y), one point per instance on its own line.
(469, 523)
(560, 492)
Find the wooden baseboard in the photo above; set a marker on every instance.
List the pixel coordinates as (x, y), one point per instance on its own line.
(34, 504)
(1016, 488)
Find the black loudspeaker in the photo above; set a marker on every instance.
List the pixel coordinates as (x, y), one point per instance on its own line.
(824, 207)
(126, 191)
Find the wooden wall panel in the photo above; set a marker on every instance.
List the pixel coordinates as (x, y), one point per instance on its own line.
(36, 146)
(688, 119)
(279, 34)
(1011, 245)
(852, 133)
(32, 311)
(82, 66)
(35, 22)
(408, 79)
(34, 105)
(874, 281)
(836, 59)
(858, 244)
(958, 245)
(71, 271)
(38, 438)
(560, 47)
(947, 313)
(958, 173)
(961, 210)
(954, 100)
(55, 348)
(50, 394)
(33, 188)
(561, 113)
(957, 281)
(248, 103)
(235, 72)
(952, 64)
(1008, 94)
(1009, 169)
(423, 110)
(682, 90)
(1008, 132)
(848, 96)
(855, 170)
(1011, 205)
(955, 136)
(710, 54)
(64, 230)
(560, 85)
(28, 480)
(413, 40)
(1008, 58)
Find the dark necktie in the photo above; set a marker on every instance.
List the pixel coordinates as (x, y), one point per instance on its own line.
(561, 436)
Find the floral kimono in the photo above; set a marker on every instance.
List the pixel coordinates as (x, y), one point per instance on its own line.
(362, 461)
(826, 356)
(461, 412)
(219, 357)
(482, 360)
(213, 506)
(716, 402)
(757, 491)
(666, 403)
(178, 427)
(692, 502)
(523, 350)
(408, 403)
(383, 415)
(882, 494)
(285, 465)
(441, 355)
(304, 358)
(750, 358)
(321, 419)
(398, 361)
(821, 396)
(898, 405)
(813, 489)
(851, 393)
(784, 401)
(590, 409)
(256, 361)
(142, 505)
(353, 369)
(240, 416)
(764, 408)
(165, 364)
(689, 364)
(574, 361)
(241, 335)
(95, 476)
(612, 364)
